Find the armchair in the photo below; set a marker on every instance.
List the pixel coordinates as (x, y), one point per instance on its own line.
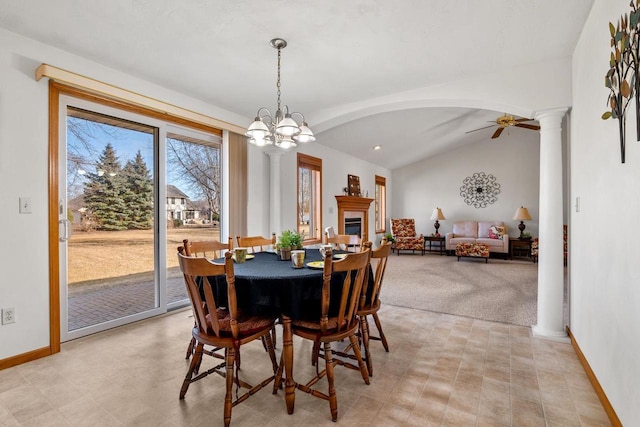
(404, 233)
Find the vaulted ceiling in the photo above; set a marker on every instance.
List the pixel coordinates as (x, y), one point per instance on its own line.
(339, 53)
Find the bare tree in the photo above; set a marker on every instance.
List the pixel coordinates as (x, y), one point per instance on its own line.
(198, 166)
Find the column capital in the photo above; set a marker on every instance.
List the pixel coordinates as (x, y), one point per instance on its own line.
(274, 152)
(551, 113)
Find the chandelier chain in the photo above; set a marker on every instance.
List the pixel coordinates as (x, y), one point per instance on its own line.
(278, 83)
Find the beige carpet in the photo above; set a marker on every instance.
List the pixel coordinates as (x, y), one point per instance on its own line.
(501, 291)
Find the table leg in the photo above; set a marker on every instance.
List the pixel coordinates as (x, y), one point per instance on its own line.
(287, 350)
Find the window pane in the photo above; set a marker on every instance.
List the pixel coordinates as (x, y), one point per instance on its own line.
(193, 181)
(309, 198)
(111, 199)
(380, 204)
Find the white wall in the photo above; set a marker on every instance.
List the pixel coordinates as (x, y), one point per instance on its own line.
(605, 273)
(335, 168)
(513, 159)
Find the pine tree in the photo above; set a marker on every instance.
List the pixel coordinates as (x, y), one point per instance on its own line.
(139, 195)
(104, 192)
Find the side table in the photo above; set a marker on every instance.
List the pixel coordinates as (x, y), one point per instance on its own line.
(519, 248)
(436, 244)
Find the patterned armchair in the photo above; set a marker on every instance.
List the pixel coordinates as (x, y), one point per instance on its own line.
(404, 233)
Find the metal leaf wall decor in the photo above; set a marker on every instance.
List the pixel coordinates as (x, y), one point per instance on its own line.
(480, 189)
(623, 77)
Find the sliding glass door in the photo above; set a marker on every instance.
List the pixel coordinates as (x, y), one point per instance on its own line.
(132, 188)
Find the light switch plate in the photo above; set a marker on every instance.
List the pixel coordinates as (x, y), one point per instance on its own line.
(25, 205)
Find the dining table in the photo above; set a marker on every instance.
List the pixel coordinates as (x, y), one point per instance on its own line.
(268, 286)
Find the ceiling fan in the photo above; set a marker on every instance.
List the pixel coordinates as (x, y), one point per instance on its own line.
(506, 121)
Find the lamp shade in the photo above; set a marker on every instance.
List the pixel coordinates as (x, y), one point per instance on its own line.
(438, 215)
(522, 214)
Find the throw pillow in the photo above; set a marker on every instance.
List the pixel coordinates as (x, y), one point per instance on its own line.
(497, 231)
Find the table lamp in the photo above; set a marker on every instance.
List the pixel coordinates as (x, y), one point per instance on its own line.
(437, 215)
(522, 214)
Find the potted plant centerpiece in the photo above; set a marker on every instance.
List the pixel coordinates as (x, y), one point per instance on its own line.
(287, 241)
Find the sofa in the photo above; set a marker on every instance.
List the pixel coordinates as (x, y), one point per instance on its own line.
(491, 233)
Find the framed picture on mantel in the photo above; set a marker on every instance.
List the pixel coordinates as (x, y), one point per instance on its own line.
(354, 185)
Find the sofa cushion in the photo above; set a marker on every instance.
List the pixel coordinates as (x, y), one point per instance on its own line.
(484, 226)
(496, 245)
(497, 231)
(455, 240)
(465, 229)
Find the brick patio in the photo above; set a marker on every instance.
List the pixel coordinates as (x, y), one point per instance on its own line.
(96, 303)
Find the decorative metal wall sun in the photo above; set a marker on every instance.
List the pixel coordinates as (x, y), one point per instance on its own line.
(480, 189)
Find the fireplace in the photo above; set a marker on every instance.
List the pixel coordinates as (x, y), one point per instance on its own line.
(353, 216)
(353, 226)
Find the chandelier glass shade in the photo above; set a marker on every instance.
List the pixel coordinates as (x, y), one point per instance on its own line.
(279, 129)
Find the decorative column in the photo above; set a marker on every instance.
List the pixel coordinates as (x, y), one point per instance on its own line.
(550, 258)
(275, 196)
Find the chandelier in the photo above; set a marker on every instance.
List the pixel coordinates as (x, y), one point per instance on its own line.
(280, 130)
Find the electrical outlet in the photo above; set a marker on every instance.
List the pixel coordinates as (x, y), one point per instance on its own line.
(8, 315)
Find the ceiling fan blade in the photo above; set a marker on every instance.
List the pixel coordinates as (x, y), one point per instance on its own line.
(523, 120)
(526, 126)
(497, 133)
(486, 127)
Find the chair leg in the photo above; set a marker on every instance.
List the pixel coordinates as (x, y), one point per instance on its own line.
(272, 353)
(228, 398)
(193, 366)
(277, 382)
(273, 339)
(192, 346)
(364, 332)
(274, 336)
(361, 364)
(315, 352)
(382, 337)
(333, 399)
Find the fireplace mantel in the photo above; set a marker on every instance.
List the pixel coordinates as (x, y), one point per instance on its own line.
(354, 204)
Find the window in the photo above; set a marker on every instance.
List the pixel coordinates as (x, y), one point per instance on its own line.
(309, 211)
(381, 204)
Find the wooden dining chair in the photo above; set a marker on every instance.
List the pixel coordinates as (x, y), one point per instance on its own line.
(347, 242)
(211, 249)
(222, 327)
(369, 304)
(332, 327)
(253, 242)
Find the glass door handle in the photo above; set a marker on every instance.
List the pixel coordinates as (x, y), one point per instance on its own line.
(66, 230)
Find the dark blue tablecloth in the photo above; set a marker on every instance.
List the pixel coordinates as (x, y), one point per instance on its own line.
(267, 286)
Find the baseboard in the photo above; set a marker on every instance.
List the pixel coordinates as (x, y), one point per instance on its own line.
(611, 413)
(24, 357)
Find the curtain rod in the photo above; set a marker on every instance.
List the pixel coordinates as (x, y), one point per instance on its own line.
(68, 77)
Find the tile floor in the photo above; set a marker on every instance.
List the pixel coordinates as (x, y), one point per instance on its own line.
(441, 370)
